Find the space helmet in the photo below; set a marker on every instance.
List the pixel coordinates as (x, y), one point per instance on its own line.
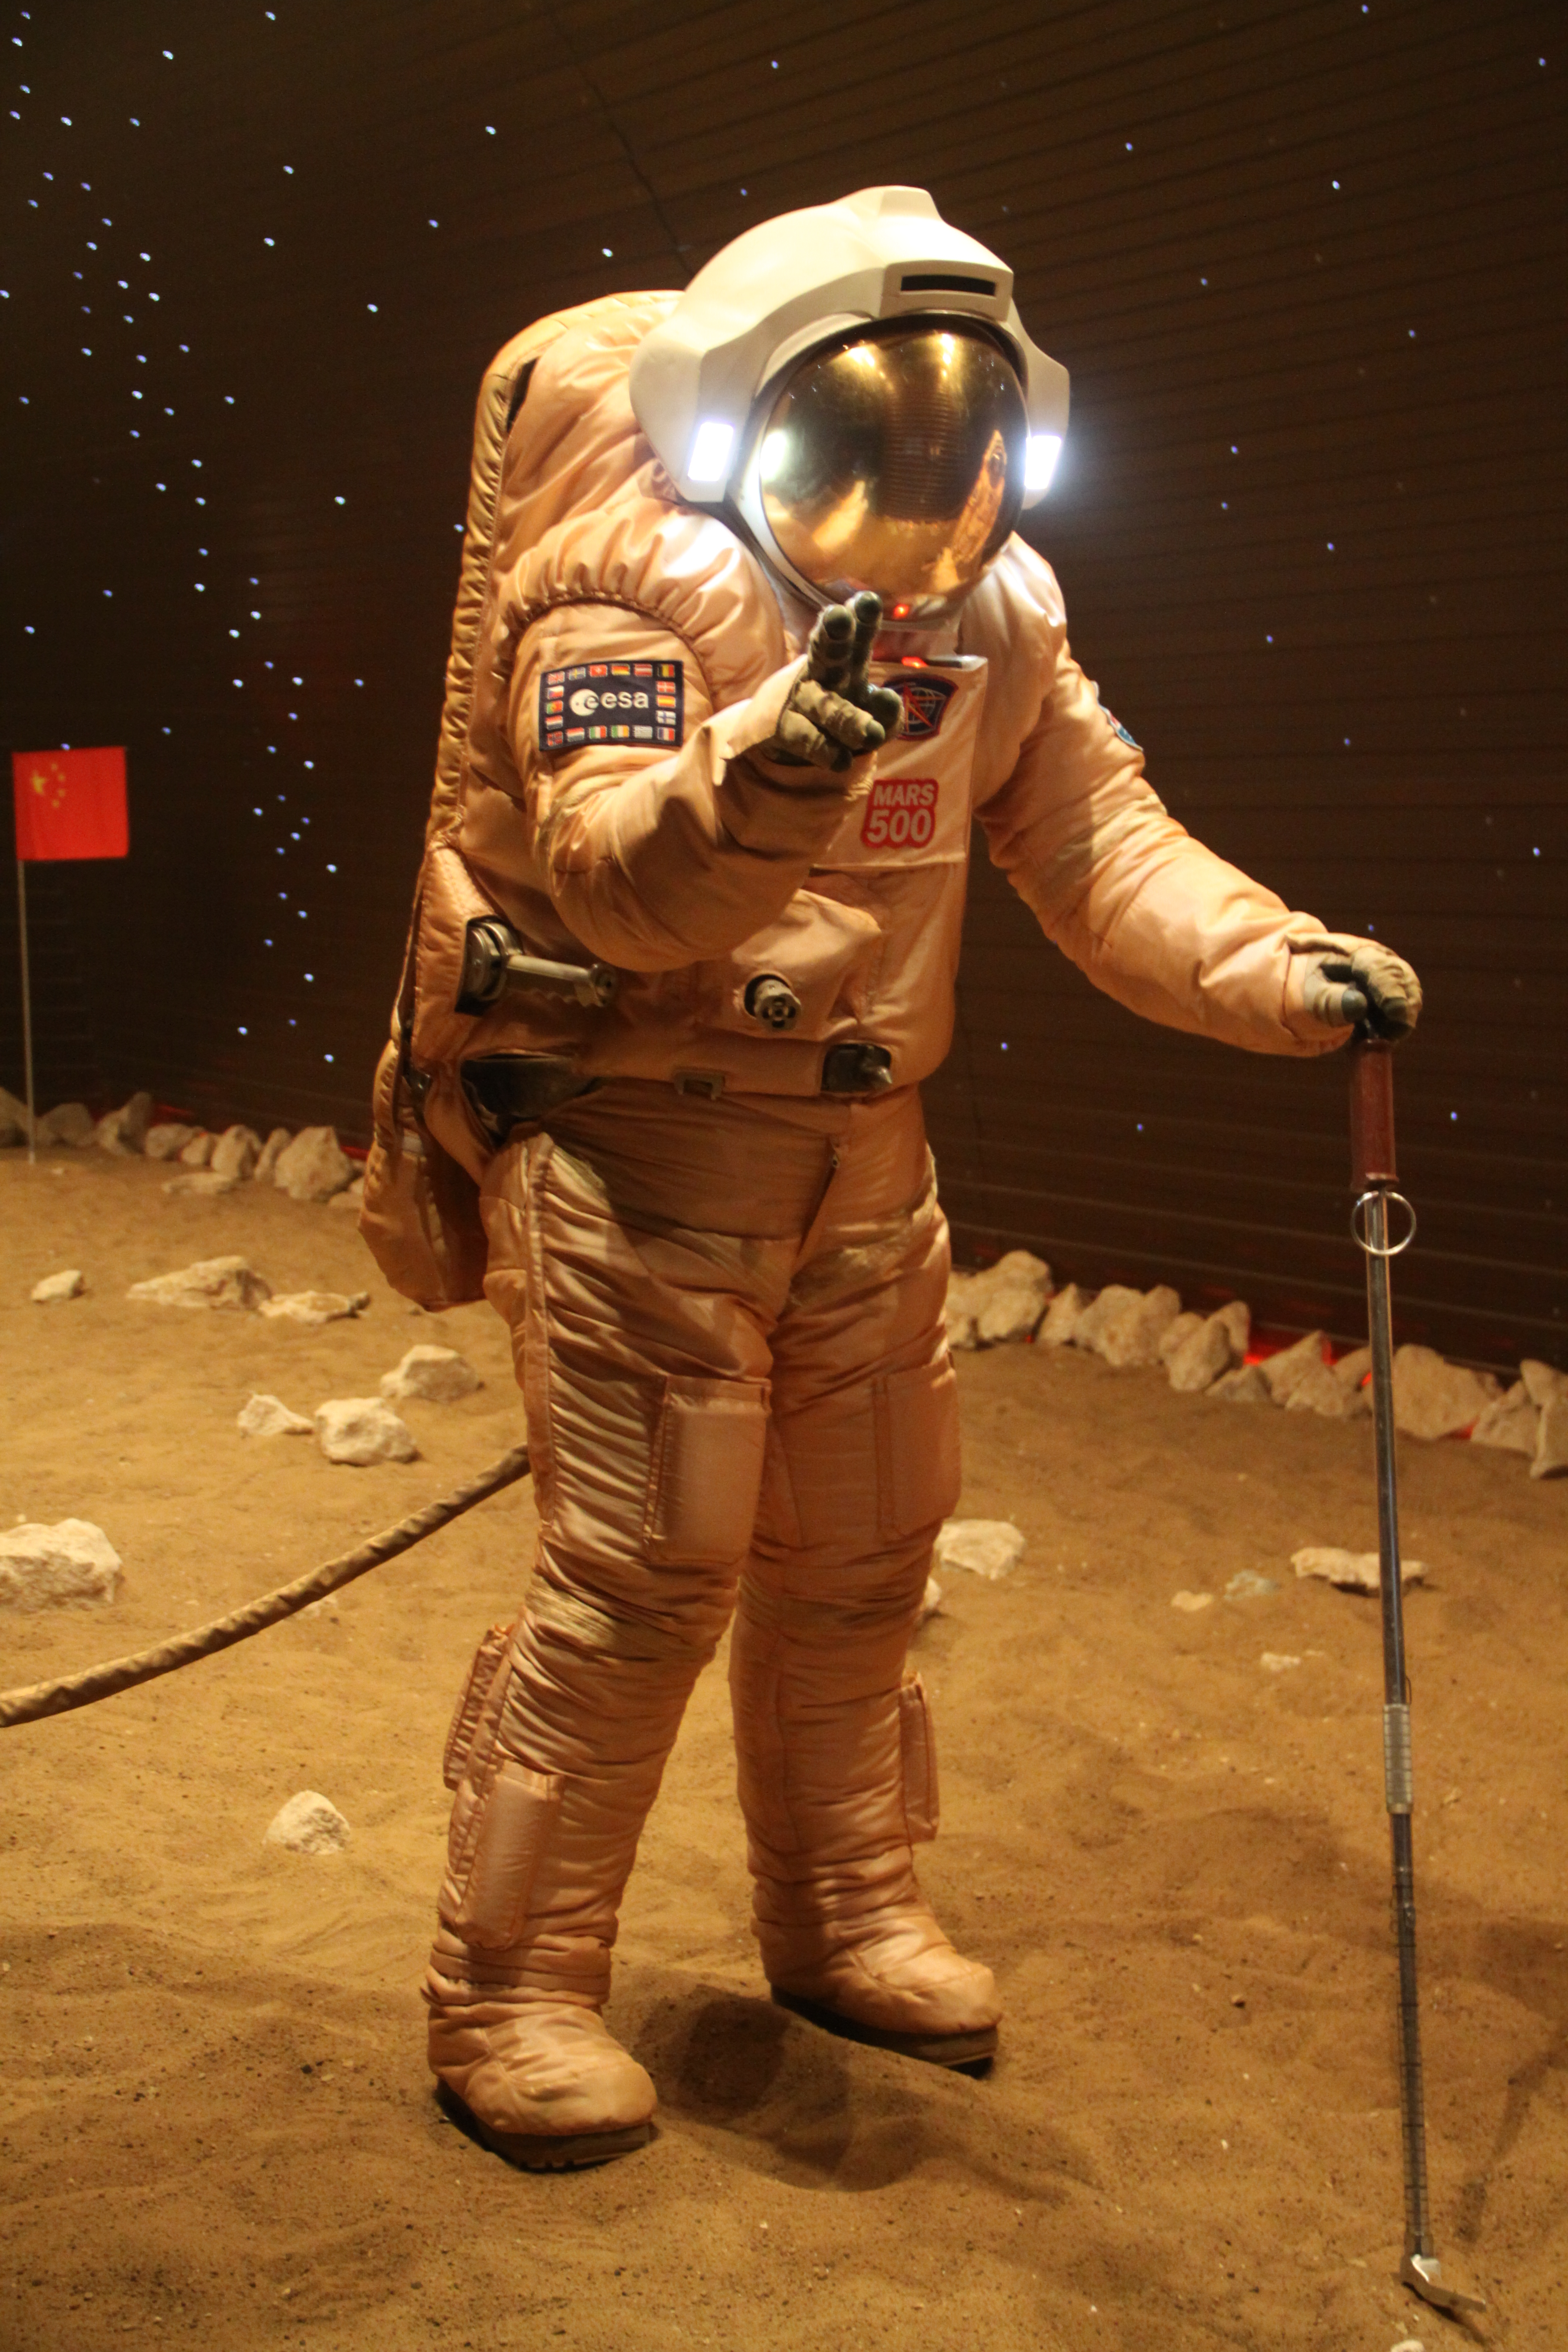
(855, 384)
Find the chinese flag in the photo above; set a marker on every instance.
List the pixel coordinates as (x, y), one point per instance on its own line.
(71, 804)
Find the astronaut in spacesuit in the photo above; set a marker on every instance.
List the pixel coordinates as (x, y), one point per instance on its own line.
(745, 641)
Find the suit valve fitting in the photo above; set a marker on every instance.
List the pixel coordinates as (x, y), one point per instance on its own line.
(772, 1001)
(496, 962)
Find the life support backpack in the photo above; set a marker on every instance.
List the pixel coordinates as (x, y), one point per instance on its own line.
(420, 1215)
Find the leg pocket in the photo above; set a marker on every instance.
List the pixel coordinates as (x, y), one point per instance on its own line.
(706, 1472)
(918, 1473)
(519, 1813)
(917, 1745)
(489, 1659)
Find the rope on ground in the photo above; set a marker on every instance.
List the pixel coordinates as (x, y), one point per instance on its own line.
(39, 1700)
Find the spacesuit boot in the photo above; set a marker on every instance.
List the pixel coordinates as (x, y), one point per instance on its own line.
(838, 1779)
(537, 1862)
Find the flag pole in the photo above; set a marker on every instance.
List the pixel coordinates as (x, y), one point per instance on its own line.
(27, 1011)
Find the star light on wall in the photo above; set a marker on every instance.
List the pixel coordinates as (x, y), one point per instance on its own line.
(113, 284)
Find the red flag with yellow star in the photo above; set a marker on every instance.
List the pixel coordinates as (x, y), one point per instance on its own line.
(71, 804)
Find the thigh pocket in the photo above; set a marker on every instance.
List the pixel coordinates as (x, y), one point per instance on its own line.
(916, 1448)
(706, 1472)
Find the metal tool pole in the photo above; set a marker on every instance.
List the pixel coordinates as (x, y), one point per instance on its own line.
(1375, 1179)
(27, 1011)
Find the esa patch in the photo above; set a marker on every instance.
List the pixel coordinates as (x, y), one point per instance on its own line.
(925, 698)
(612, 702)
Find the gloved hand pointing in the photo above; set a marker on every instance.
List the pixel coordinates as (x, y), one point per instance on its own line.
(833, 712)
(1350, 981)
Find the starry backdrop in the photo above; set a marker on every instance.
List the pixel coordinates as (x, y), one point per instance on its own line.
(1305, 263)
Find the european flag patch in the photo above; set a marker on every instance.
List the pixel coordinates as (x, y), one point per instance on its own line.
(612, 702)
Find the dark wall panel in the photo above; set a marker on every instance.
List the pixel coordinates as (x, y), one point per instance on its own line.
(1305, 263)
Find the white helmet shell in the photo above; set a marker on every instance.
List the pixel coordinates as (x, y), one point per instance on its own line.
(802, 279)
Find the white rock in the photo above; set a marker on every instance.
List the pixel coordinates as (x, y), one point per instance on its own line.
(353, 1199)
(1353, 1368)
(987, 1547)
(1190, 1602)
(71, 1124)
(56, 1286)
(14, 1119)
(959, 1311)
(1012, 1298)
(313, 1308)
(198, 1151)
(1512, 1423)
(212, 1282)
(1179, 1330)
(1247, 1585)
(1277, 1662)
(268, 1417)
(1317, 1391)
(1236, 1316)
(1116, 1298)
(1543, 1381)
(167, 1140)
(1281, 1371)
(272, 1151)
(236, 1153)
(1433, 1399)
(1552, 1443)
(312, 1168)
(72, 1564)
(439, 1375)
(1202, 1357)
(1001, 1303)
(1245, 1385)
(361, 1431)
(1062, 1315)
(1133, 1335)
(308, 1823)
(120, 1131)
(1352, 1571)
(930, 1602)
(203, 1181)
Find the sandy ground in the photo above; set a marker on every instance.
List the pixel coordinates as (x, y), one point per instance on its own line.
(216, 2124)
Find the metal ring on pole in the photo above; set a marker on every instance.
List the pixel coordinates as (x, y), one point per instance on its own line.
(1358, 1224)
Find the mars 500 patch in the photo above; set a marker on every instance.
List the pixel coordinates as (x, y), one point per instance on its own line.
(612, 702)
(901, 813)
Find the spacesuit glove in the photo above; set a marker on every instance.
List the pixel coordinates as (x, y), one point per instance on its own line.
(1350, 983)
(834, 713)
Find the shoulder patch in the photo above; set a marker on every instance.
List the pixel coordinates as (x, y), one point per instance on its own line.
(612, 702)
(1116, 729)
(925, 698)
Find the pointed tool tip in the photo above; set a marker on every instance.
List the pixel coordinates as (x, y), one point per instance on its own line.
(1425, 2274)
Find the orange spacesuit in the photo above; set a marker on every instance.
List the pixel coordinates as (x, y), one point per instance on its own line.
(671, 987)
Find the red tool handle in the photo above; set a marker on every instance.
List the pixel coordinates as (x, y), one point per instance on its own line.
(1371, 1114)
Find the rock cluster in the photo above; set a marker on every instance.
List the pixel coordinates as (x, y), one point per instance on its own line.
(1013, 1300)
(309, 1166)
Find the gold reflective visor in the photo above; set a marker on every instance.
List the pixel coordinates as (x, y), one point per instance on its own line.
(896, 462)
